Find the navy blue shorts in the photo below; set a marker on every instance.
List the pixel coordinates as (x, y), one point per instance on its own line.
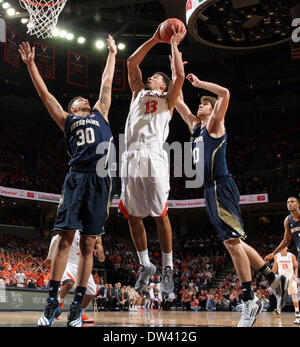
(85, 203)
(223, 208)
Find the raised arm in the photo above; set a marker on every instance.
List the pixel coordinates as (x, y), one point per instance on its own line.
(181, 106)
(104, 101)
(52, 105)
(178, 74)
(186, 113)
(221, 104)
(135, 78)
(287, 238)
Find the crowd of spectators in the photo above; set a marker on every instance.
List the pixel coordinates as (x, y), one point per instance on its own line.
(198, 263)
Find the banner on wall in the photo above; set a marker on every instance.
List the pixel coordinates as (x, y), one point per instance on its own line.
(190, 203)
(77, 72)
(11, 53)
(45, 59)
(119, 74)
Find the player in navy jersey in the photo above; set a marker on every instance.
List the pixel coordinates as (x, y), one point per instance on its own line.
(86, 193)
(291, 232)
(222, 196)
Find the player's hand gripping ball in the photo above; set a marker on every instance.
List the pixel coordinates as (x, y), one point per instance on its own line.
(166, 31)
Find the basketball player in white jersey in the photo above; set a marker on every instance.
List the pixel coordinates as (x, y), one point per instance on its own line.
(69, 277)
(286, 263)
(145, 169)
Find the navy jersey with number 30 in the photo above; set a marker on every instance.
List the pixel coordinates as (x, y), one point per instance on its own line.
(82, 136)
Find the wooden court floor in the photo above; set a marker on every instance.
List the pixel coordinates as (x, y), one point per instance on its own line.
(153, 319)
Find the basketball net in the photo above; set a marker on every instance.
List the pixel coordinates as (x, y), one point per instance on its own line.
(43, 16)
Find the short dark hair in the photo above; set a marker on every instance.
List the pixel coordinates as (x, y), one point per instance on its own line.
(166, 79)
(295, 197)
(72, 101)
(210, 99)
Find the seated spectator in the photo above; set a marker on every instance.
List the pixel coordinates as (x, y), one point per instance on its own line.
(123, 300)
(186, 299)
(211, 303)
(168, 301)
(101, 298)
(202, 297)
(195, 303)
(147, 298)
(156, 299)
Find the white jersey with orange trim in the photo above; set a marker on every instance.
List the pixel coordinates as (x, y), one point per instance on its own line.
(145, 164)
(285, 264)
(148, 119)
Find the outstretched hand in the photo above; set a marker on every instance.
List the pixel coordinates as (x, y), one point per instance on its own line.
(156, 35)
(111, 44)
(193, 79)
(27, 54)
(177, 37)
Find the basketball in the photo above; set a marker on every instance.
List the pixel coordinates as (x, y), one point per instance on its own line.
(166, 31)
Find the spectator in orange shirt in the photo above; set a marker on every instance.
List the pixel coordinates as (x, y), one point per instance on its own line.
(40, 279)
(6, 273)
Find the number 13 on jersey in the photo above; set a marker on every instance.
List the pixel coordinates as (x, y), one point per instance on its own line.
(151, 106)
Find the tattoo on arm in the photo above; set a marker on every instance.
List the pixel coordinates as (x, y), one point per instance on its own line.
(55, 104)
(105, 90)
(135, 77)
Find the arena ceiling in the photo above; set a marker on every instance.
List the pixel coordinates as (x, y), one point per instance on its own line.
(133, 22)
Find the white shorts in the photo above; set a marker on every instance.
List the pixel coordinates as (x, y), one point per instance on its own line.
(145, 183)
(71, 273)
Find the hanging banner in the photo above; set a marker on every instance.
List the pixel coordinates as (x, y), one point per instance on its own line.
(11, 53)
(119, 75)
(191, 203)
(77, 69)
(45, 59)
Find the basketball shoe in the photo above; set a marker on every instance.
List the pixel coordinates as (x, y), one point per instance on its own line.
(250, 310)
(277, 312)
(74, 316)
(144, 276)
(87, 319)
(280, 287)
(167, 283)
(51, 311)
(297, 320)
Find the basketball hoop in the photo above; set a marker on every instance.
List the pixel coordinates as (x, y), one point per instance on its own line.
(43, 16)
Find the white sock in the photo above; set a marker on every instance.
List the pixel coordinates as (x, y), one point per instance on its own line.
(144, 258)
(167, 259)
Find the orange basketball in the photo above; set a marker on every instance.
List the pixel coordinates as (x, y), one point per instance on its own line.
(165, 30)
